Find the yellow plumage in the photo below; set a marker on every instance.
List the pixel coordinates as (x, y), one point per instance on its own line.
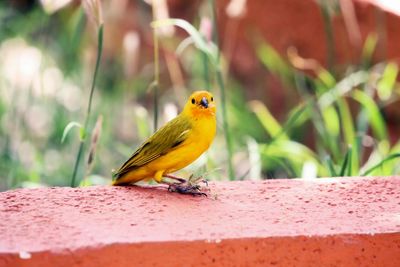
(175, 145)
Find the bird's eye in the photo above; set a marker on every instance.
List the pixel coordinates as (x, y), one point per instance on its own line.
(212, 98)
(193, 101)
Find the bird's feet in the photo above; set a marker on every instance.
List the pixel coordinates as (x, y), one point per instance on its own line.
(186, 188)
(190, 186)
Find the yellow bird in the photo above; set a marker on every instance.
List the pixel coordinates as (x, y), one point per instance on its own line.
(174, 146)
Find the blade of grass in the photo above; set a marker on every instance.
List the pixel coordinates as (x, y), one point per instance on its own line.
(209, 48)
(380, 164)
(374, 115)
(324, 142)
(326, 122)
(343, 87)
(356, 155)
(296, 117)
(271, 125)
(347, 127)
(331, 168)
(350, 163)
(346, 120)
(368, 49)
(331, 121)
(82, 141)
(271, 59)
(345, 162)
(326, 78)
(68, 128)
(386, 84)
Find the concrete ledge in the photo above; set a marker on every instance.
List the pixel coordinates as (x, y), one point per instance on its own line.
(323, 222)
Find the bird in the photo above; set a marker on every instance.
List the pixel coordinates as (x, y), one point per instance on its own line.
(174, 146)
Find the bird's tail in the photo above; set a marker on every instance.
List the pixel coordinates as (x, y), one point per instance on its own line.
(128, 177)
(116, 177)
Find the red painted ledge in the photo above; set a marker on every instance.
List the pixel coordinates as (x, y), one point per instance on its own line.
(322, 222)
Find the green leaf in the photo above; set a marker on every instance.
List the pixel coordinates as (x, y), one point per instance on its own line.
(369, 48)
(326, 78)
(355, 156)
(69, 127)
(331, 168)
(271, 125)
(386, 84)
(331, 120)
(342, 88)
(346, 120)
(294, 152)
(380, 164)
(297, 116)
(374, 115)
(207, 47)
(273, 61)
(380, 150)
(346, 163)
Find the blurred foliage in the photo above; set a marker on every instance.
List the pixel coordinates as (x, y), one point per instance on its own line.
(47, 60)
(349, 130)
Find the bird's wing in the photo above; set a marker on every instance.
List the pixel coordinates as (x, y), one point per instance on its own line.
(160, 143)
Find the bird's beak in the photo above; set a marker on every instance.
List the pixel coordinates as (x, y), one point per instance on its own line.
(204, 102)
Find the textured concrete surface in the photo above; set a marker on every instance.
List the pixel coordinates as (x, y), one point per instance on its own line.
(323, 222)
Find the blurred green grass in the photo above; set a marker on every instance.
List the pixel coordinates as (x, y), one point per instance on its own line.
(336, 128)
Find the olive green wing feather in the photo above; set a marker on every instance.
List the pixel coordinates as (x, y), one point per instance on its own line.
(160, 143)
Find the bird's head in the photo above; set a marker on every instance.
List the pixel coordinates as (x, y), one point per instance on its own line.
(200, 103)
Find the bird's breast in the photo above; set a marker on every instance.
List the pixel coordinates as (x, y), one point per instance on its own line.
(199, 140)
(204, 129)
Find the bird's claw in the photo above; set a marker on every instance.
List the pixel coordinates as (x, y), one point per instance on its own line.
(190, 186)
(189, 189)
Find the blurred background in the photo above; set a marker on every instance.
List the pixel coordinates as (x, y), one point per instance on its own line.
(304, 88)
